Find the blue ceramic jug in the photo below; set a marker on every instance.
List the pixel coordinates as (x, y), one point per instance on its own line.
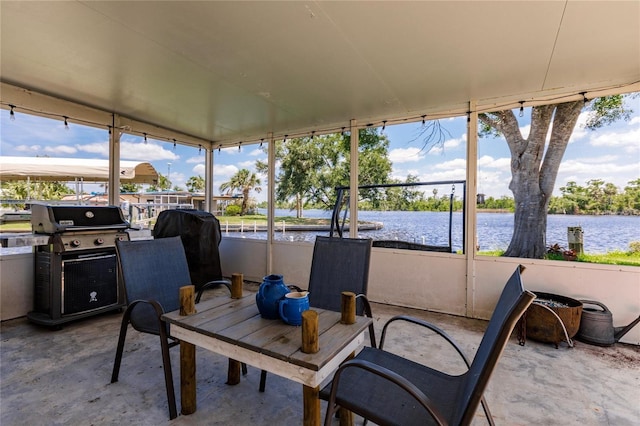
(271, 291)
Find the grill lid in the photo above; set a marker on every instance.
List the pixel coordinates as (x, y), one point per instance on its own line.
(50, 219)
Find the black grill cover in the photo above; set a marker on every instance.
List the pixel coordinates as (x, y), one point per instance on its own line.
(200, 234)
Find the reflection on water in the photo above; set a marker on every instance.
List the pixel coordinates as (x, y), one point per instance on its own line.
(601, 233)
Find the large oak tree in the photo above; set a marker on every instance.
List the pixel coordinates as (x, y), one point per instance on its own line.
(310, 168)
(535, 160)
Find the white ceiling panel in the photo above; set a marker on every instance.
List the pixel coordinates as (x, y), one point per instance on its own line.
(234, 71)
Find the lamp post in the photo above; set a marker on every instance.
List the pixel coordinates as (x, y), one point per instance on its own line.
(169, 172)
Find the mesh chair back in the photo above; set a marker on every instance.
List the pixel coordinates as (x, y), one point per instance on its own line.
(513, 302)
(152, 270)
(339, 264)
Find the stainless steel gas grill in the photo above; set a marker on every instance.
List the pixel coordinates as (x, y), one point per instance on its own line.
(76, 273)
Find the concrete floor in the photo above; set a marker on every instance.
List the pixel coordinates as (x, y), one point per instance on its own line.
(62, 378)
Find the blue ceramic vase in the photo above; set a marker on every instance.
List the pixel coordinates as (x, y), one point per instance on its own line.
(271, 291)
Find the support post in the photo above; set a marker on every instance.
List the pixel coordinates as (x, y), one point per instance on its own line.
(187, 356)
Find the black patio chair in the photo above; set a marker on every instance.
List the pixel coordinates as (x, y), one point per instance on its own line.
(338, 264)
(152, 272)
(390, 390)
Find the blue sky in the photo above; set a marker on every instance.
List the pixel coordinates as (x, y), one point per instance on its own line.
(611, 154)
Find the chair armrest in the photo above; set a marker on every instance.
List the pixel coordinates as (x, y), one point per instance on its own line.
(225, 282)
(368, 313)
(154, 304)
(428, 325)
(389, 375)
(159, 310)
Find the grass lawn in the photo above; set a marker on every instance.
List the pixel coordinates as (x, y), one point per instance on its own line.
(628, 258)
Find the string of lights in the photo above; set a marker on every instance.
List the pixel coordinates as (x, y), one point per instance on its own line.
(520, 105)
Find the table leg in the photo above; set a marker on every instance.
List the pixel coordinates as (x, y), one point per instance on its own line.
(311, 401)
(187, 378)
(233, 372)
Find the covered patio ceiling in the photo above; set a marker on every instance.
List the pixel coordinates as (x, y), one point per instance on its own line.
(230, 72)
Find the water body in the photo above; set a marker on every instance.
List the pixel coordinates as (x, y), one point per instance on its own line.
(601, 233)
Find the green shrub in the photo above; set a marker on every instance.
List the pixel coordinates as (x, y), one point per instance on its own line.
(233, 210)
(634, 246)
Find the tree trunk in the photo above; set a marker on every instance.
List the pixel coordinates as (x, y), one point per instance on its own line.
(299, 213)
(534, 170)
(245, 201)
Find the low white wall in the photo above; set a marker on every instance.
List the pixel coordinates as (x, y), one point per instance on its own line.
(617, 287)
(248, 257)
(439, 281)
(424, 280)
(16, 285)
(417, 279)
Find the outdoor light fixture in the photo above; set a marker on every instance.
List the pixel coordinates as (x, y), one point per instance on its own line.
(261, 142)
(521, 109)
(174, 144)
(66, 124)
(384, 124)
(423, 119)
(12, 115)
(145, 138)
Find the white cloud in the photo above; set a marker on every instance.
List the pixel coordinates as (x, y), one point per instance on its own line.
(451, 174)
(486, 161)
(494, 183)
(61, 149)
(100, 148)
(195, 160)
(458, 163)
(405, 155)
(198, 170)
(628, 142)
(138, 151)
(448, 144)
(256, 152)
(28, 148)
(579, 131)
(224, 171)
(178, 179)
(230, 150)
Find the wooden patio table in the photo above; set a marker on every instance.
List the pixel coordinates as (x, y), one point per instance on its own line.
(234, 328)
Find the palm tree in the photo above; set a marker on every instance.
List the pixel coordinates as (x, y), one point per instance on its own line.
(195, 183)
(244, 181)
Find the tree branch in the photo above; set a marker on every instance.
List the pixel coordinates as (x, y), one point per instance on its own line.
(564, 121)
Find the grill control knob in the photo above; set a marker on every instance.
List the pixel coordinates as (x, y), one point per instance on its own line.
(99, 241)
(75, 243)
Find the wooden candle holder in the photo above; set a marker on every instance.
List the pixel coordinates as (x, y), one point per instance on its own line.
(237, 280)
(310, 332)
(348, 307)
